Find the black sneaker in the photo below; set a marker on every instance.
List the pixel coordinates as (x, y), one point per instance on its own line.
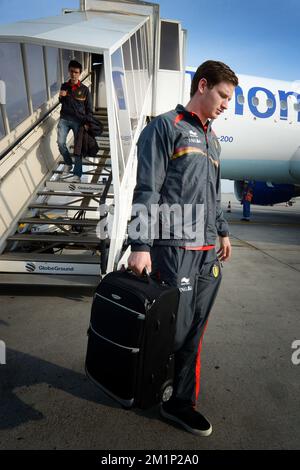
(188, 418)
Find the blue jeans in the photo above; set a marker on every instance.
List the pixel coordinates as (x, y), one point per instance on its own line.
(246, 209)
(63, 129)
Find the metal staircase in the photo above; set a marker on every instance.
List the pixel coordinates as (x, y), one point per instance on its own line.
(51, 229)
(58, 233)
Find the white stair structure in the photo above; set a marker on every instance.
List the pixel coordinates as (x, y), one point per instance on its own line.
(53, 231)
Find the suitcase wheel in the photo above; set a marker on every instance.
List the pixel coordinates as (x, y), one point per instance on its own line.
(167, 392)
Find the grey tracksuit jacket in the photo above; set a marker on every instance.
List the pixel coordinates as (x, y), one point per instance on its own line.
(178, 163)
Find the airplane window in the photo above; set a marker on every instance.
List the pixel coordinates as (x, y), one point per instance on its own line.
(283, 104)
(270, 103)
(255, 101)
(241, 99)
(12, 74)
(169, 46)
(53, 69)
(36, 72)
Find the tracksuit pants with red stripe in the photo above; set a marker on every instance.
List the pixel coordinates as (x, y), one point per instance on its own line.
(197, 274)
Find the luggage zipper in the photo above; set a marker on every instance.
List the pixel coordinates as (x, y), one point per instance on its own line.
(147, 303)
(140, 316)
(133, 350)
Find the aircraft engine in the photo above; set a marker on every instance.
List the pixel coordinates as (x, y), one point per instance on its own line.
(267, 193)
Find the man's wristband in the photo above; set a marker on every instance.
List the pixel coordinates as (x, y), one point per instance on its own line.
(137, 247)
(223, 234)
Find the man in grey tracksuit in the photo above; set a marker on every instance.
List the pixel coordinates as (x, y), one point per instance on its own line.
(179, 168)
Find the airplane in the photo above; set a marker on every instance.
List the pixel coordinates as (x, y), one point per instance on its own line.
(259, 136)
(56, 232)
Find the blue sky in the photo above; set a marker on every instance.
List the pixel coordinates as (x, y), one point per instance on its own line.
(256, 37)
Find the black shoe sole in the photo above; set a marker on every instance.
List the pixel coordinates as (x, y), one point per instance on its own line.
(173, 418)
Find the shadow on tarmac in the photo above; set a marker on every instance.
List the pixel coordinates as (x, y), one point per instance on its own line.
(23, 370)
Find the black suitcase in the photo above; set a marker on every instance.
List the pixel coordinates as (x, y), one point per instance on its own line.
(130, 339)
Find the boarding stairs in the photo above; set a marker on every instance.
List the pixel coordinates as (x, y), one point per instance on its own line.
(57, 233)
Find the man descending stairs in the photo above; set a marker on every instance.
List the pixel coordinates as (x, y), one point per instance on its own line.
(59, 232)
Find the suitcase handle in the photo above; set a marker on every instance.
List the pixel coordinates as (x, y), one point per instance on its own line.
(145, 275)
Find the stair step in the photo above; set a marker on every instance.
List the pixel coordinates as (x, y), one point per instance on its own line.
(80, 239)
(73, 264)
(104, 146)
(63, 185)
(88, 172)
(59, 221)
(103, 165)
(62, 193)
(103, 159)
(51, 207)
(50, 280)
(47, 257)
(100, 111)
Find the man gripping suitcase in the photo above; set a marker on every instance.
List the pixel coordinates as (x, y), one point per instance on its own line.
(179, 167)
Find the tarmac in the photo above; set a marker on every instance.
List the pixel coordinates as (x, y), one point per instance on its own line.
(250, 376)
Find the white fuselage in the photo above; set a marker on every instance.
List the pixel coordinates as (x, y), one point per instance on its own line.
(260, 132)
